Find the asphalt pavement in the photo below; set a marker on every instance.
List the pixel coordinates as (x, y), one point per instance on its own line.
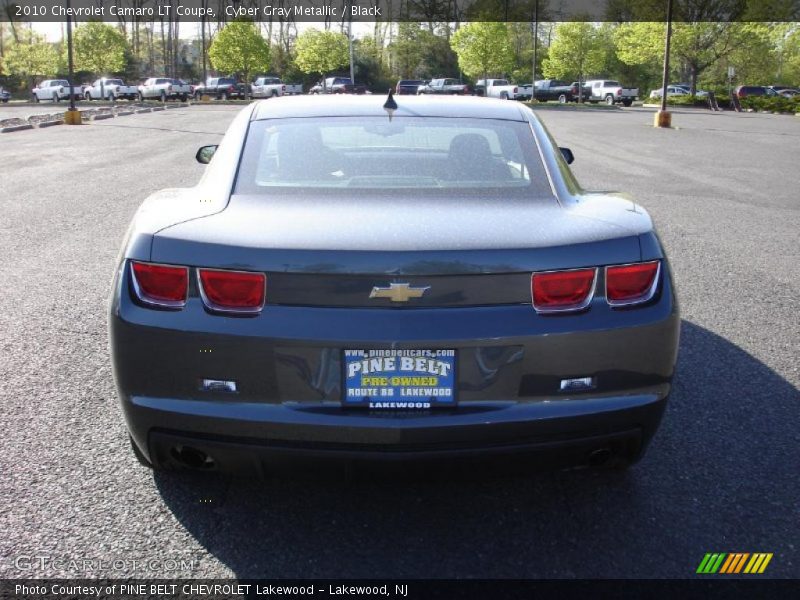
(720, 476)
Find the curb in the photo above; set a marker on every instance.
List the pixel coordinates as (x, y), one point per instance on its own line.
(124, 113)
(157, 108)
(143, 110)
(51, 123)
(102, 117)
(15, 128)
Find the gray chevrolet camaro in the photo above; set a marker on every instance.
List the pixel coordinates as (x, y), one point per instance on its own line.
(416, 278)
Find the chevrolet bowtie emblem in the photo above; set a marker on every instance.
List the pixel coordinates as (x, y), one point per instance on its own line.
(398, 292)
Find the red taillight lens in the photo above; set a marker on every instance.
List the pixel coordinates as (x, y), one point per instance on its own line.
(557, 291)
(631, 284)
(160, 285)
(233, 291)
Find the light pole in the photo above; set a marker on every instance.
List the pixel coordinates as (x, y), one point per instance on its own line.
(663, 118)
(350, 41)
(73, 115)
(535, 46)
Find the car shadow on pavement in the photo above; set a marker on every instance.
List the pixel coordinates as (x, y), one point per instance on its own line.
(719, 476)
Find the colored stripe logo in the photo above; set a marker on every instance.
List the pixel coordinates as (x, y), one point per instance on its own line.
(734, 563)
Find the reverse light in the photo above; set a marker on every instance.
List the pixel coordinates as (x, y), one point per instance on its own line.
(165, 286)
(562, 291)
(232, 291)
(632, 284)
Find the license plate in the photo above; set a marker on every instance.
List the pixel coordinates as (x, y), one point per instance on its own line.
(399, 379)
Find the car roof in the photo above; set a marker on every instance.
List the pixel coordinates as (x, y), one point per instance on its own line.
(372, 105)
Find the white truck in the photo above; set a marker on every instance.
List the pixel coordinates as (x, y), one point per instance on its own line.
(55, 90)
(498, 88)
(107, 88)
(164, 88)
(272, 87)
(610, 92)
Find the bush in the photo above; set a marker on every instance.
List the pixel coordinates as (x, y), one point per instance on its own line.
(771, 104)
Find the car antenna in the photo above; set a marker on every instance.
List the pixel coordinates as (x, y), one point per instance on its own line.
(390, 105)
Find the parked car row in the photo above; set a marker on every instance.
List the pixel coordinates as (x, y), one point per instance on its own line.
(742, 91)
(596, 90)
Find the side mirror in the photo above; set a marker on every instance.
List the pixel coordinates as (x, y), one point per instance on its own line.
(565, 152)
(205, 154)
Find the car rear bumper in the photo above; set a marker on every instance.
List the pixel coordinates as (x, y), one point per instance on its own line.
(249, 436)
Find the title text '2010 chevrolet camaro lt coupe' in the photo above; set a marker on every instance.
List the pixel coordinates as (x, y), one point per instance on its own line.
(420, 278)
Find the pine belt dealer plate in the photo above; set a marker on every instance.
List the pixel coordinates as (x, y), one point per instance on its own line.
(399, 379)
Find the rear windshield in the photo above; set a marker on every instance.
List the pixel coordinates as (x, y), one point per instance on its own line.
(430, 153)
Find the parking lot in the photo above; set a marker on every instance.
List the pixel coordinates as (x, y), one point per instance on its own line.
(720, 476)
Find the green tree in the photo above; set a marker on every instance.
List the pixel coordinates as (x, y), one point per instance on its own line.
(483, 48)
(321, 52)
(576, 51)
(240, 48)
(30, 56)
(99, 48)
(697, 46)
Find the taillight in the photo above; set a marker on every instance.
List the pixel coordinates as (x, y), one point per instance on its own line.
(232, 291)
(631, 284)
(619, 92)
(160, 285)
(562, 291)
(283, 88)
(516, 90)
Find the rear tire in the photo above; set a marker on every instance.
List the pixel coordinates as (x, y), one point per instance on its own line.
(56, 99)
(223, 96)
(112, 97)
(88, 97)
(184, 97)
(504, 96)
(562, 99)
(163, 96)
(610, 100)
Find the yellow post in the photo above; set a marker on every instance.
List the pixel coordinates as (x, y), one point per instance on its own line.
(72, 117)
(662, 118)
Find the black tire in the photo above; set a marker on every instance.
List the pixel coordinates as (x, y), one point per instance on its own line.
(609, 100)
(88, 97)
(504, 96)
(223, 96)
(36, 99)
(627, 102)
(56, 99)
(274, 94)
(141, 97)
(184, 97)
(139, 456)
(197, 96)
(163, 96)
(112, 97)
(562, 99)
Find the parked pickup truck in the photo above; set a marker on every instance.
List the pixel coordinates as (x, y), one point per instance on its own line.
(498, 88)
(110, 89)
(553, 89)
(164, 88)
(338, 85)
(56, 90)
(221, 88)
(611, 92)
(272, 87)
(444, 86)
